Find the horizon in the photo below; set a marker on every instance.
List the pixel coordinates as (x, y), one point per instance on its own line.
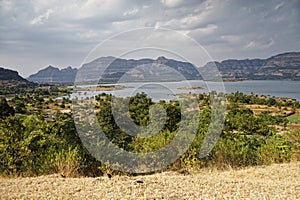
(50, 34)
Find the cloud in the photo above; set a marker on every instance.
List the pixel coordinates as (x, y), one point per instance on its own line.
(172, 3)
(255, 44)
(133, 11)
(278, 6)
(41, 18)
(209, 29)
(64, 32)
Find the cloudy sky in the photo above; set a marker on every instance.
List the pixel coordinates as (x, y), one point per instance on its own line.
(35, 34)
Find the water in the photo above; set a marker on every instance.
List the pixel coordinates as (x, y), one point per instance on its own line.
(290, 89)
(168, 90)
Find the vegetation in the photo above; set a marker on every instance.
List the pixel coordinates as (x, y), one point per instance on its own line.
(295, 118)
(38, 134)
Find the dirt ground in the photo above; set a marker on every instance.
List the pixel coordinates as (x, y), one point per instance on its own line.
(279, 181)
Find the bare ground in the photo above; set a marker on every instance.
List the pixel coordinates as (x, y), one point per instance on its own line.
(279, 181)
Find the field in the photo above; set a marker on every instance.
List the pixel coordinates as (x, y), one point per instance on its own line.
(278, 181)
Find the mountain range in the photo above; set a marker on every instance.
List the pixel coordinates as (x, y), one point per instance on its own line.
(285, 66)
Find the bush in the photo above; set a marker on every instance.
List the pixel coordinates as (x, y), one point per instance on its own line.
(67, 162)
(243, 150)
(30, 146)
(275, 150)
(294, 138)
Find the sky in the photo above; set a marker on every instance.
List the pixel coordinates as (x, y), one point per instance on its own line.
(36, 33)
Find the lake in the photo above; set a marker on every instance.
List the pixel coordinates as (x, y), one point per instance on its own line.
(168, 90)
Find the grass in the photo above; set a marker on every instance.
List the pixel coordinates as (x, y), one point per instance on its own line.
(295, 118)
(278, 181)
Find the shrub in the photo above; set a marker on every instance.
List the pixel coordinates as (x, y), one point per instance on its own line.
(67, 162)
(275, 150)
(294, 138)
(245, 150)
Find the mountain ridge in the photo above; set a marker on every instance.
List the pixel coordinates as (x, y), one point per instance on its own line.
(283, 66)
(113, 70)
(52, 74)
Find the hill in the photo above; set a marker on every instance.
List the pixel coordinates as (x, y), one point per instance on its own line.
(12, 83)
(54, 75)
(10, 75)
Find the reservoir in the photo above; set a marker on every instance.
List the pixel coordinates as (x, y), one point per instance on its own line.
(168, 90)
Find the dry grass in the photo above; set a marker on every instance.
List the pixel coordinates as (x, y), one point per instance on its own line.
(266, 182)
(256, 108)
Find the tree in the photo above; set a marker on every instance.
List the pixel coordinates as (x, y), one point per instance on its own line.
(5, 109)
(20, 107)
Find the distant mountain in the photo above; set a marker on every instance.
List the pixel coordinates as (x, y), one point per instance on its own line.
(109, 69)
(10, 75)
(54, 75)
(11, 82)
(284, 66)
(112, 70)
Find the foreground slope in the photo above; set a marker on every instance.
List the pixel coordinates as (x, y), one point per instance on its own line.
(278, 181)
